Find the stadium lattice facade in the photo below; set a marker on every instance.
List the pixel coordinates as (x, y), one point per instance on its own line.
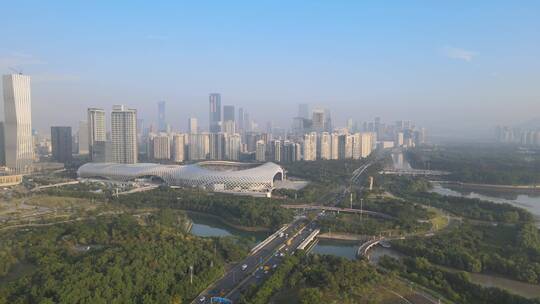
(212, 175)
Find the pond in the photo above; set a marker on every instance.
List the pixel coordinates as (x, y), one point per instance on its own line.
(345, 249)
(210, 226)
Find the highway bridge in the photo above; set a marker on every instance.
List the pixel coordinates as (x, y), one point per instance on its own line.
(268, 253)
(358, 173)
(413, 172)
(54, 185)
(337, 209)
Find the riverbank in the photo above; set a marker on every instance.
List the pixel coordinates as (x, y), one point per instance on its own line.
(523, 289)
(483, 279)
(472, 186)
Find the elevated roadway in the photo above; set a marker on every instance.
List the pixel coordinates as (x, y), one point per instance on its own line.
(238, 278)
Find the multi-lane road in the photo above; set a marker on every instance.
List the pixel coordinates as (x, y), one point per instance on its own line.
(252, 269)
(259, 265)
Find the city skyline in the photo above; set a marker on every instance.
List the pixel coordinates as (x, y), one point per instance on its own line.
(364, 61)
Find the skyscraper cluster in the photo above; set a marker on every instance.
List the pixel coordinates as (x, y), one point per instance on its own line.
(231, 135)
(526, 137)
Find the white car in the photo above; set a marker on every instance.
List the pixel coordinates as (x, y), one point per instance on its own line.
(244, 267)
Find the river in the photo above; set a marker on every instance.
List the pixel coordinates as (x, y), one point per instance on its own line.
(527, 201)
(519, 198)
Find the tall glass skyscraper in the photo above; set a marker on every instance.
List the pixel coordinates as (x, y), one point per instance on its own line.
(215, 113)
(96, 134)
(61, 144)
(162, 123)
(228, 113)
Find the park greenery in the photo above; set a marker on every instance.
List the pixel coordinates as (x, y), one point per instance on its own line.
(456, 287)
(234, 210)
(327, 178)
(508, 250)
(356, 224)
(416, 190)
(94, 191)
(314, 279)
(239, 211)
(480, 163)
(369, 225)
(124, 259)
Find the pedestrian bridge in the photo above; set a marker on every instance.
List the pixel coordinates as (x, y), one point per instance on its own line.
(366, 246)
(337, 209)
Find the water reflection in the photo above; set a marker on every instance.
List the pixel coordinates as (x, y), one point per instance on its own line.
(527, 201)
(338, 248)
(209, 226)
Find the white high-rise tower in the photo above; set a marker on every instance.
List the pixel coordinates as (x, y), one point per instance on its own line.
(124, 134)
(96, 134)
(19, 148)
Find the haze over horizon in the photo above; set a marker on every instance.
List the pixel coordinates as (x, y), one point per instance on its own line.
(457, 72)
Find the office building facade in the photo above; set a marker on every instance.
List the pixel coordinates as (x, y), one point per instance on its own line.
(61, 144)
(96, 132)
(83, 138)
(18, 142)
(124, 135)
(193, 125)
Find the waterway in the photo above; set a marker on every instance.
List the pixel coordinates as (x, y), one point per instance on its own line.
(209, 226)
(527, 201)
(345, 249)
(520, 198)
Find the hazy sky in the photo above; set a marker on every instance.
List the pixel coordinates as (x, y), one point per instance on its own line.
(463, 64)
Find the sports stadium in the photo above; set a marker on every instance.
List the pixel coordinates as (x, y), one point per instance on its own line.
(219, 176)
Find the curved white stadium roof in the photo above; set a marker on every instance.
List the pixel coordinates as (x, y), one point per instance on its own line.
(259, 178)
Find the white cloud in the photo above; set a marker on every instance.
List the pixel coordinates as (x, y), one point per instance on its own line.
(459, 53)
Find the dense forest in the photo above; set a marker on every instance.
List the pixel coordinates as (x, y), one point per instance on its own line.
(484, 164)
(318, 279)
(455, 286)
(119, 260)
(512, 251)
(236, 210)
(415, 189)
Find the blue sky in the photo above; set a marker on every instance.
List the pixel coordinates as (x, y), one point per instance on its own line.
(450, 66)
